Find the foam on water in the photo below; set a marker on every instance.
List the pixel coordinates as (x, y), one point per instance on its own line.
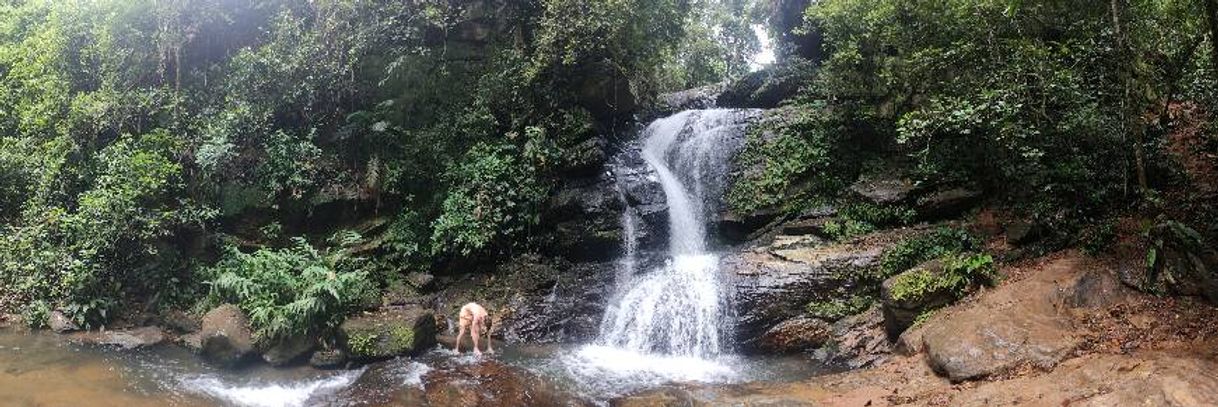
(290, 394)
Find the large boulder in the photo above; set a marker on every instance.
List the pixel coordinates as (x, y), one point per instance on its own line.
(1027, 322)
(389, 333)
(328, 359)
(697, 98)
(902, 307)
(225, 337)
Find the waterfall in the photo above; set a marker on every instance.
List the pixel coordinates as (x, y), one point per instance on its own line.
(678, 309)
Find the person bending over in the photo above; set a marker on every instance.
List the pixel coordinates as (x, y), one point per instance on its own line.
(475, 319)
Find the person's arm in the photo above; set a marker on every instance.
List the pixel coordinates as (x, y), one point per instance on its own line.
(460, 333)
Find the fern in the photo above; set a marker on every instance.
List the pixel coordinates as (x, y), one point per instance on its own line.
(296, 290)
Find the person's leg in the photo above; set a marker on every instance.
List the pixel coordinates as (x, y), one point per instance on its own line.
(475, 332)
(460, 333)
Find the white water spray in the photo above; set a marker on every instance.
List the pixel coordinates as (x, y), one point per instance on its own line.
(678, 310)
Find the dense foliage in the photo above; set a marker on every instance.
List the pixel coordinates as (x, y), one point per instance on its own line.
(1062, 109)
(135, 135)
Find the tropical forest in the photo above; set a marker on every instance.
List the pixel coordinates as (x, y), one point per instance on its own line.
(451, 203)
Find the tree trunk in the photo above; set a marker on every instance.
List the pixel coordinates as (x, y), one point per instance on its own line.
(1130, 111)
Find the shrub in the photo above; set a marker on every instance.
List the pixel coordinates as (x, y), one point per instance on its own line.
(297, 290)
(915, 250)
(960, 272)
(495, 196)
(837, 308)
(863, 218)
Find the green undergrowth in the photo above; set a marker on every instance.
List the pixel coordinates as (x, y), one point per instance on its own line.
(960, 273)
(837, 308)
(857, 219)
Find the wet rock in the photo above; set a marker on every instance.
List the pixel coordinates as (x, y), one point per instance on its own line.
(328, 359)
(388, 333)
(125, 339)
(900, 314)
(586, 218)
(563, 309)
(947, 203)
(60, 323)
(290, 350)
(453, 383)
(795, 334)
(192, 341)
(697, 98)
(225, 337)
(661, 397)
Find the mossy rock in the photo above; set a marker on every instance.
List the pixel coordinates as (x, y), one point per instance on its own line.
(388, 333)
(912, 293)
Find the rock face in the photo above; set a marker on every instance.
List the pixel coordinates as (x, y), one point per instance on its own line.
(795, 334)
(696, 98)
(563, 306)
(126, 339)
(775, 282)
(586, 215)
(900, 314)
(225, 336)
(60, 323)
(388, 333)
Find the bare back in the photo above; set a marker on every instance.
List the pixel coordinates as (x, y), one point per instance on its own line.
(471, 313)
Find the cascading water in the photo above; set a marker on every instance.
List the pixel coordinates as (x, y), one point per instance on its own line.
(666, 323)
